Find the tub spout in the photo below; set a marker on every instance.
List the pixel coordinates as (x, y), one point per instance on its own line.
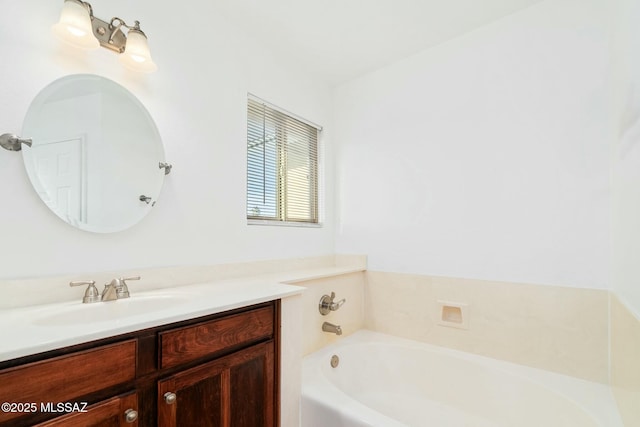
(330, 327)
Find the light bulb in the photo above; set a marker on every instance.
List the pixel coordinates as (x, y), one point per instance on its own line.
(136, 54)
(75, 26)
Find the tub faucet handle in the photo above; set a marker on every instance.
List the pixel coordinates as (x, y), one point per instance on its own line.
(327, 304)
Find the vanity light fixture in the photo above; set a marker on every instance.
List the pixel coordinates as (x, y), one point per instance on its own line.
(80, 28)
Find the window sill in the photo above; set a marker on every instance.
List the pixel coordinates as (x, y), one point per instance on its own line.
(283, 223)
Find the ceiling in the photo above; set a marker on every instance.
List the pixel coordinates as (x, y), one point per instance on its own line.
(342, 39)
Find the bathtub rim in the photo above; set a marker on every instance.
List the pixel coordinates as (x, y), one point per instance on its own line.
(595, 399)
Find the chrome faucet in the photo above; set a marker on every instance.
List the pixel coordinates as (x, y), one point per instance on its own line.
(330, 327)
(117, 289)
(110, 291)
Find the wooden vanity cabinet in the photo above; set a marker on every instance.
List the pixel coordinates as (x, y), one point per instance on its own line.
(239, 391)
(239, 387)
(220, 370)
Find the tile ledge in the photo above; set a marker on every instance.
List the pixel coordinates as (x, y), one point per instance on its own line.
(319, 273)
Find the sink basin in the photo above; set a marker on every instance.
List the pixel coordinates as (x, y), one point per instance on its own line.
(136, 305)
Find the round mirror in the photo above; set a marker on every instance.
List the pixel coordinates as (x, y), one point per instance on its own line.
(97, 158)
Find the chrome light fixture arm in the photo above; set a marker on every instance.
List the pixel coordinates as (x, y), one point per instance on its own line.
(110, 34)
(87, 6)
(117, 39)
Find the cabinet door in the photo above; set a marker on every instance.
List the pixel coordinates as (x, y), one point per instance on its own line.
(234, 391)
(120, 411)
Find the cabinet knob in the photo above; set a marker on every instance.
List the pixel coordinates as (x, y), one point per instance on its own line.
(169, 398)
(130, 415)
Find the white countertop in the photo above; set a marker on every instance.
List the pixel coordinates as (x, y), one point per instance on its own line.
(36, 329)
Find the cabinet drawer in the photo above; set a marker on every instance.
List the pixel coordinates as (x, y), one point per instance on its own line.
(112, 412)
(193, 342)
(67, 377)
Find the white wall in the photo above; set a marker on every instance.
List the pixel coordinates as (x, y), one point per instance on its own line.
(626, 155)
(485, 157)
(198, 100)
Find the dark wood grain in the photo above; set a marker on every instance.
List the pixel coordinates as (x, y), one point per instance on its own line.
(225, 365)
(277, 362)
(233, 391)
(109, 413)
(147, 354)
(65, 378)
(193, 342)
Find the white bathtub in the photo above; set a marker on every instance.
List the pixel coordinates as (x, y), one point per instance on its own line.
(385, 381)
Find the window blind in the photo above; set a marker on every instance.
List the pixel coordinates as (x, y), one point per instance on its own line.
(282, 166)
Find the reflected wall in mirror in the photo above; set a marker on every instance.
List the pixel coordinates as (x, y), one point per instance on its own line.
(96, 151)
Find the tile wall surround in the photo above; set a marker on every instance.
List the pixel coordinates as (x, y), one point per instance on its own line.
(555, 328)
(625, 361)
(350, 316)
(45, 290)
(560, 329)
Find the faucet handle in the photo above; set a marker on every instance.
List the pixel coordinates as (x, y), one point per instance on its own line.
(336, 305)
(82, 282)
(91, 294)
(327, 305)
(123, 290)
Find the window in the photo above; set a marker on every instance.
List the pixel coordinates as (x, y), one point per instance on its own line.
(282, 167)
